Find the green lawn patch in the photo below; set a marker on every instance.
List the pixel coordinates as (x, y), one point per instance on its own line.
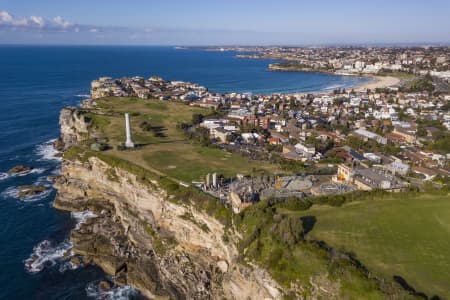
(405, 236)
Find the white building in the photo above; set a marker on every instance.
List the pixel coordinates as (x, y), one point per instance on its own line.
(307, 151)
(367, 135)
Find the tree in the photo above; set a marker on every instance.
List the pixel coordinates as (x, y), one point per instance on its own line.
(421, 131)
(197, 118)
(293, 103)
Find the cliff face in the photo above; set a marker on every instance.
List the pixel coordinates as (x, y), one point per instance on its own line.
(73, 126)
(163, 248)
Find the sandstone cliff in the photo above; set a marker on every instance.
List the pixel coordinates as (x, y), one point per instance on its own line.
(163, 247)
(73, 126)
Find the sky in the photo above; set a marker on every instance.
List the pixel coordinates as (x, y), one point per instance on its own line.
(230, 22)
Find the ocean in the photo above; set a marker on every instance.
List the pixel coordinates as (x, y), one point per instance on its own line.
(35, 83)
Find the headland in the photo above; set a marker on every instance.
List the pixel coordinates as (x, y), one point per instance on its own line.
(212, 197)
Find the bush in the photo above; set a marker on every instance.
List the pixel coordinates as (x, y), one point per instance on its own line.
(121, 147)
(289, 230)
(197, 118)
(294, 203)
(145, 126)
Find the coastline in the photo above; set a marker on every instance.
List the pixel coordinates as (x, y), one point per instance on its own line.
(375, 81)
(378, 82)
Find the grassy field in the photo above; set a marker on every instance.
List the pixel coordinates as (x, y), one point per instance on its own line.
(395, 236)
(166, 149)
(271, 241)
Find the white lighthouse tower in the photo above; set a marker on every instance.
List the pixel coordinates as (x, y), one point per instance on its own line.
(129, 143)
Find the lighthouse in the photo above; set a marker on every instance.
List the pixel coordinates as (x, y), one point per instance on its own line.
(129, 142)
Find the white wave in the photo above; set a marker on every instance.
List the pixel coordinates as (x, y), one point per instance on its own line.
(334, 86)
(81, 217)
(38, 197)
(10, 192)
(116, 293)
(68, 265)
(13, 192)
(43, 181)
(83, 96)
(56, 171)
(4, 176)
(32, 171)
(46, 255)
(47, 151)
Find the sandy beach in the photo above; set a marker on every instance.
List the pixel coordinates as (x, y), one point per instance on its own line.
(378, 82)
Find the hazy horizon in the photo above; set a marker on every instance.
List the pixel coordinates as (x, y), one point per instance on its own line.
(202, 23)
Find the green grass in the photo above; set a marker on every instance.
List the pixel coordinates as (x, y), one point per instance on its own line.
(303, 261)
(407, 237)
(98, 121)
(188, 162)
(171, 153)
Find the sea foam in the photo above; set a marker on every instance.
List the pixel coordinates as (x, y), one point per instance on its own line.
(13, 192)
(47, 151)
(32, 171)
(116, 293)
(83, 96)
(333, 87)
(4, 176)
(46, 255)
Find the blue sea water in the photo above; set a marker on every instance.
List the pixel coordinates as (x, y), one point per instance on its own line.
(35, 83)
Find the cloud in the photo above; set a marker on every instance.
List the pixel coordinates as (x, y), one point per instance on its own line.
(38, 23)
(61, 22)
(8, 20)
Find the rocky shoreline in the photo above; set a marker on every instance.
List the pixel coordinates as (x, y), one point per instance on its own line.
(141, 239)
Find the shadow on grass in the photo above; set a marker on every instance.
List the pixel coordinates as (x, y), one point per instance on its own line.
(400, 280)
(308, 223)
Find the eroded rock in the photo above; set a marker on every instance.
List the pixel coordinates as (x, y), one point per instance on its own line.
(30, 190)
(20, 169)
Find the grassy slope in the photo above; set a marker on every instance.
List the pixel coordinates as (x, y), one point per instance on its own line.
(304, 262)
(405, 237)
(172, 154)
